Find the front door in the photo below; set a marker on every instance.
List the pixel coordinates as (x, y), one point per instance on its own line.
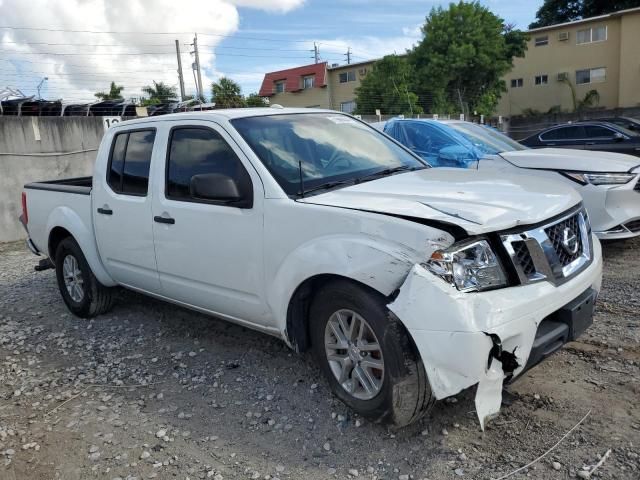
(210, 253)
(122, 210)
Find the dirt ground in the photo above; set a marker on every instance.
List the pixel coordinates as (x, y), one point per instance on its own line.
(155, 391)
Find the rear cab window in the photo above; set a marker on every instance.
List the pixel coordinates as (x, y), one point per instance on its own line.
(129, 162)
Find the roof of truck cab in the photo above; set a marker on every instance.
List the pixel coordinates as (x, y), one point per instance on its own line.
(226, 114)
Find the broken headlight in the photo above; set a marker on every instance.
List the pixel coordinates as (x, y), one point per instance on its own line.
(470, 267)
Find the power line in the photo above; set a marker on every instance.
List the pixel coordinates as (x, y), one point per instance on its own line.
(143, 53)
(226, 47)
(42, 29)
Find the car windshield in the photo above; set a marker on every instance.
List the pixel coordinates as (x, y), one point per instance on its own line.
(626, 131)
(434, 142)
(330, 149)
(486, 139)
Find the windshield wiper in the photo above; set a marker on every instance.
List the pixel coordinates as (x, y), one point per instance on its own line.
(387, 171)
(326, 186)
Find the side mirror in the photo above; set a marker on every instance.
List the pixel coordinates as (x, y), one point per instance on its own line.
(618, 137)
(218, 188)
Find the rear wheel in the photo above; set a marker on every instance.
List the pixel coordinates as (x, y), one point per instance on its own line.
(81, 291)
(367, 356)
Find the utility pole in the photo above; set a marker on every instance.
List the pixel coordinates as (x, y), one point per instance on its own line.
(197, 57)
(348, 55)
(316, 52)
(180, 77)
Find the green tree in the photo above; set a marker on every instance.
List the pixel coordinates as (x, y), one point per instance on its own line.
(591, 98)
(113, 94)
(227, 94)
(553, 12)
(158, 93)
(388, 88)
(255, 100)
(462, 57)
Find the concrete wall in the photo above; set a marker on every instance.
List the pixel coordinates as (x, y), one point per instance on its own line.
(39, 148)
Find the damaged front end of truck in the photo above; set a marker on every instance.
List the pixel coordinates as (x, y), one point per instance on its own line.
(473, 324)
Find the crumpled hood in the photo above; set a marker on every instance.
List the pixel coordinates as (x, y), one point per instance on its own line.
(476, 201)
(572, 159)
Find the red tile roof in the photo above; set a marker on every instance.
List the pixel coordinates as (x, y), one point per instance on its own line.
(293, 78)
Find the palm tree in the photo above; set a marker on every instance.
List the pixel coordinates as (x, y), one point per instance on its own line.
(227, 93)
(590, 100)
(114, 93)
(160, 92)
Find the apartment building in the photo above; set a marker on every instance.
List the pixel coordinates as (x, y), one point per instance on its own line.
(318, 85)
(599, 53)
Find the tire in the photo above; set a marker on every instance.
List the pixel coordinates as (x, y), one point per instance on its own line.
(399, 392)
(87, 297)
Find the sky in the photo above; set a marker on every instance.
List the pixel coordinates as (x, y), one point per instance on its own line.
(82, 45)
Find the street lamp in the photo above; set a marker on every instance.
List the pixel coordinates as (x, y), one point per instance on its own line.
(40, 86)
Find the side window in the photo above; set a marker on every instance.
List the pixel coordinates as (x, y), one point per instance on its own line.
(196, 151)
(564, 133)
(130, 160)
(596, 131)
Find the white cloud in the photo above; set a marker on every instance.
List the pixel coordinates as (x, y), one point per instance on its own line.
(132, 60)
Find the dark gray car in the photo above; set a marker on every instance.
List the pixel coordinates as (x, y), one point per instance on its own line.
(589, 136)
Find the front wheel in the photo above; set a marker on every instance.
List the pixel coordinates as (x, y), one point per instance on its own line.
(367, 356)
(81, 291)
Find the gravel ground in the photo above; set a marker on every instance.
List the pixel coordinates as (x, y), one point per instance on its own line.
(155, 391)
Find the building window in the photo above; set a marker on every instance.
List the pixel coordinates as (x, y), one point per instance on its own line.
(279, 87)
(540, 41)
(307, 82)
(592, 34)
(349, 76)
(348, 107)
(541, 79)
(591, 75)
(517, 82)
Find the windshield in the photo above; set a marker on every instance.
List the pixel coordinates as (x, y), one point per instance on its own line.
(486, 139)
(438, 145)
(329, 147)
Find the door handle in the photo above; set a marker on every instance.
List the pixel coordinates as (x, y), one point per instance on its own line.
(167, 220)
(105, 211)
(591, 143)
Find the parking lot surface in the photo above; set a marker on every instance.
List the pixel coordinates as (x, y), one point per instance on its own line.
(152, 390)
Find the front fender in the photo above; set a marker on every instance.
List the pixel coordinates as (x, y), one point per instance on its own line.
(68, 219)
(375, 262)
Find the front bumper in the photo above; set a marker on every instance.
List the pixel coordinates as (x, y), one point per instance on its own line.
(456, 332)
(614, 211)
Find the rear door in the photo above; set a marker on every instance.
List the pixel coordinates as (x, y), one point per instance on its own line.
(210, 254)
(122, 210)
(566, 136)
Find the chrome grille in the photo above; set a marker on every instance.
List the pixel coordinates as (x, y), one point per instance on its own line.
(558, 235)
(523, 257)
(553, 252)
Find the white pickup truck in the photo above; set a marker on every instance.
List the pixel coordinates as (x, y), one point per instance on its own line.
(408, 283)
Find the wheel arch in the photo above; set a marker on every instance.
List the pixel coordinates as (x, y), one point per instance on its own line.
(297, 328)
(64, 222)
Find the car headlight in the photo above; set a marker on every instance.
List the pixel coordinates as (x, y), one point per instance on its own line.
(600, 178)
(470, 267)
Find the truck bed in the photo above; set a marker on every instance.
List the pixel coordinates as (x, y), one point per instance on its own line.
(79, 185)
(57, 202)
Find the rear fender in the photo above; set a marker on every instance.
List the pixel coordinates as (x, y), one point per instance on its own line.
(68, 219)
